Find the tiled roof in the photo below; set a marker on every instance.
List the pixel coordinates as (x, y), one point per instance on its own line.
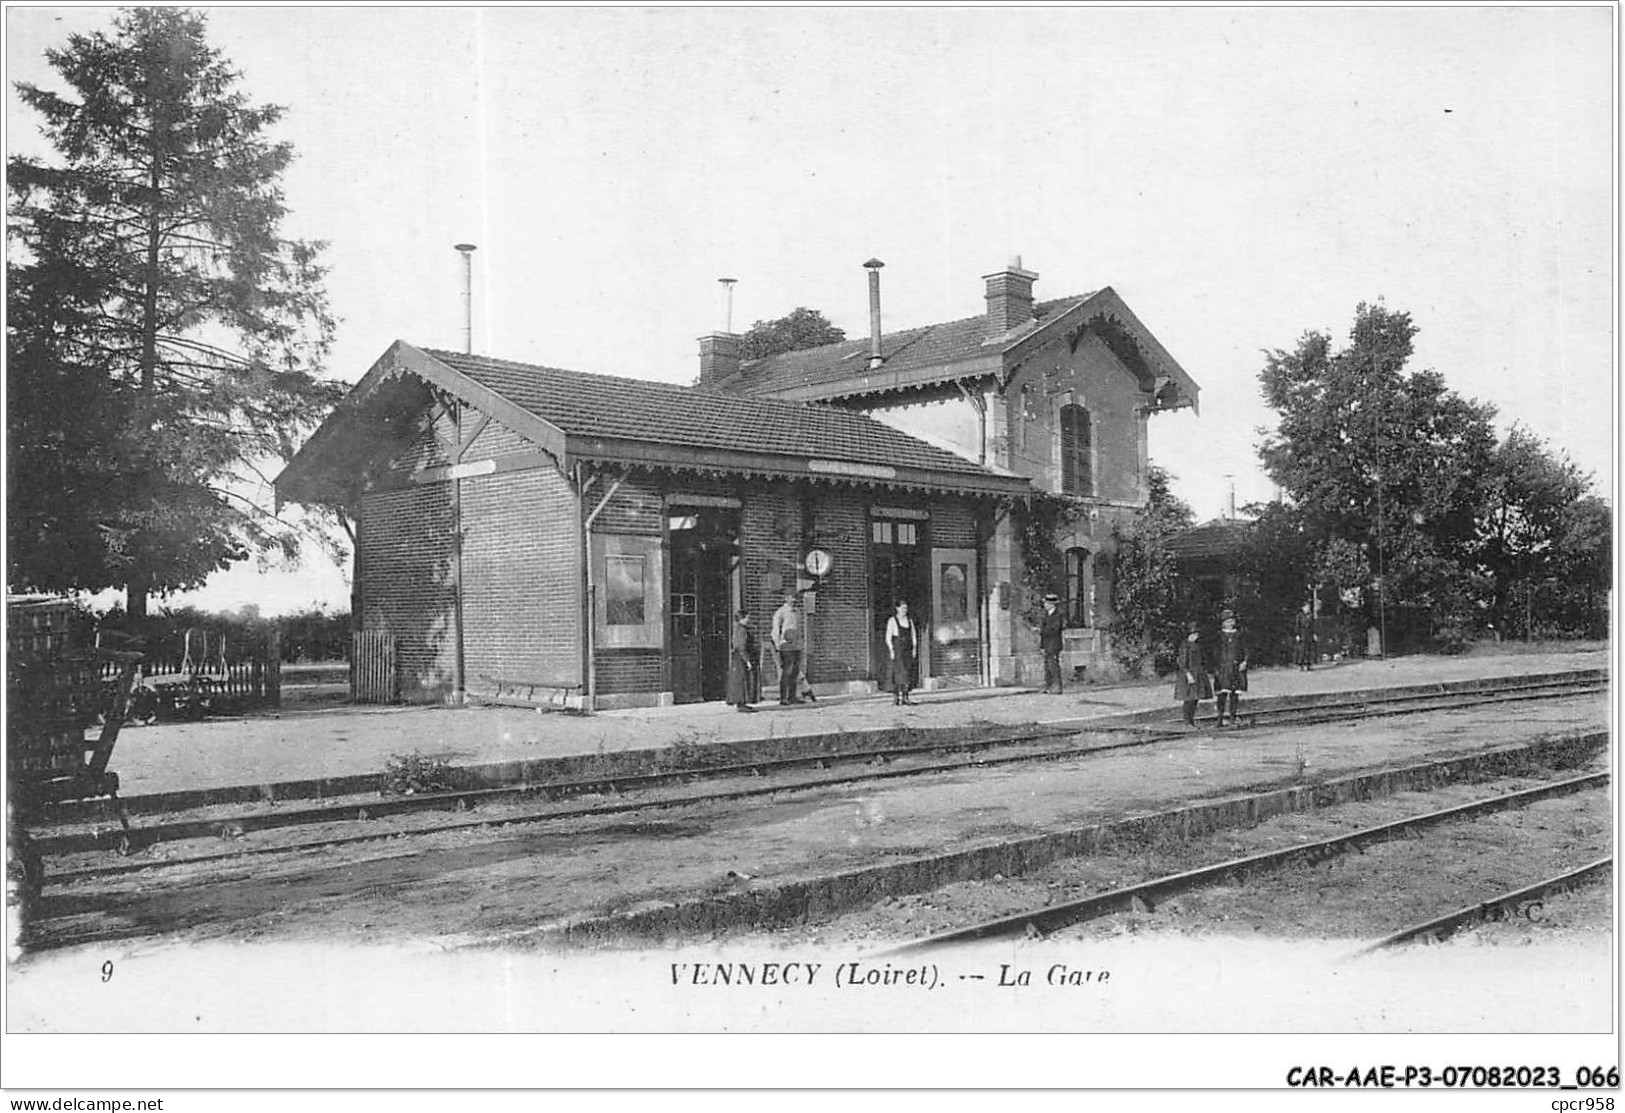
(910, 349)
(1222, 537)
(588, 405)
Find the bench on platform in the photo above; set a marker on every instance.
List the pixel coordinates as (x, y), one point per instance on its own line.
(547, 693)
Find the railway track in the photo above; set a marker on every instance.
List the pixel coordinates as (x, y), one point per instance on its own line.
(1502, 906)
(622, 794)
(1045, 920)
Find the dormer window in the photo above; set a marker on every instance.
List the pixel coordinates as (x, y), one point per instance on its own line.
(1077, 441)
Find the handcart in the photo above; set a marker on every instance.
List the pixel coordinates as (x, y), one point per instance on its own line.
(64, 713)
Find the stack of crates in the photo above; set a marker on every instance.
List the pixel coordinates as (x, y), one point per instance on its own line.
(51, 693)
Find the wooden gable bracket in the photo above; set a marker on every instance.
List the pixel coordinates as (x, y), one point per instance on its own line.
(626, 473)
(978, 402)
(472, 435)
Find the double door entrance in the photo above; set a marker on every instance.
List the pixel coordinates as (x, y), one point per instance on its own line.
(702, 596)
(939, 586)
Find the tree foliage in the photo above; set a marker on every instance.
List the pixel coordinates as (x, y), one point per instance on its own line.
(165, 338)
(798, 329)
(1149, 614)
(1375, 456)
(1543, 538)
(1400, 488)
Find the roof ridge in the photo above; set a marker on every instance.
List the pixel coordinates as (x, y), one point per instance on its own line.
(784, 406)
(912, 339)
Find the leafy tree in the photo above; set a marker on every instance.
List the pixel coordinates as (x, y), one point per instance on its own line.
(798, 329)
(1276, 575)
(1147, 625)
(1539, 535)
(1526, 498)
(1381, 458)
(1583, 566)
(165, 338)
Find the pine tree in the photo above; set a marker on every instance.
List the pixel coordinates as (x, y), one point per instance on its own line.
(165, 338)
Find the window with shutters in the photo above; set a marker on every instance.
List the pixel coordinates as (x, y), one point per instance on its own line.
(1077, 472)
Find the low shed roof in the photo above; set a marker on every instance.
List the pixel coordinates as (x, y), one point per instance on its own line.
(577, 415)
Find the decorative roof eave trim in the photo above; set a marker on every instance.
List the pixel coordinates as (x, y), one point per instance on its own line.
(541, 432)
(752, 464)
(302, 480)
(893, 382)
(1106, 300)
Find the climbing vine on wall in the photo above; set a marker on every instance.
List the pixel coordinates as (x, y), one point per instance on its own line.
(1041, 520)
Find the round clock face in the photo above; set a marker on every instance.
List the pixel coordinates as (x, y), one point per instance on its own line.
(818, 562)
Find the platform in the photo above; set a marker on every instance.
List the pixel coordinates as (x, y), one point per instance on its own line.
(349, 741)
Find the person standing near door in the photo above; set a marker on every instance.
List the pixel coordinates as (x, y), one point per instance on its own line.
(742, 651)
(1050, 641)
(903, 646)
(788, 642)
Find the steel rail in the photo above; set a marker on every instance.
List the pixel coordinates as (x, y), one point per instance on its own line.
(373, 809)
(1049, 919)
(1496, 908)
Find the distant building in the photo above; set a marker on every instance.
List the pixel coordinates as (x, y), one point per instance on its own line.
(1209, 559)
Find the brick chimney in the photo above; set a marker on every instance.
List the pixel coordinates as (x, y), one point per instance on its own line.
(1009, 298)
(719, 357)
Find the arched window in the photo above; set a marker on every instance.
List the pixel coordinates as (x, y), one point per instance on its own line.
(1077, 474)
(1077, 588)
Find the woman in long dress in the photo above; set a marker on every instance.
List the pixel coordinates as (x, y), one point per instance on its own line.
(1191, 684)
(742, 664)
(903, 643)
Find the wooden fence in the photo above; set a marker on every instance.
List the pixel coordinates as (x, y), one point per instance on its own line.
(373, 677)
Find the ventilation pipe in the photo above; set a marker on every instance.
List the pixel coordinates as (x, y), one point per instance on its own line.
(875, 356)
(467, 252)
(728, 320)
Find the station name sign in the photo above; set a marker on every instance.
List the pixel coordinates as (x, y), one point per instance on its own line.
(842, 467)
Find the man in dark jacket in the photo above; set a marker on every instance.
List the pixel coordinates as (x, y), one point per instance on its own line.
(1303, 638)
(1230, 668)
(1050, 641)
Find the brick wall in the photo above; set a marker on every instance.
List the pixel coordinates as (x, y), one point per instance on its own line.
(628, 670)
(841, 627)
(770, 547)
(405, 562)
(495, 440)
(953, 524)
(635, 507)
(521, 577)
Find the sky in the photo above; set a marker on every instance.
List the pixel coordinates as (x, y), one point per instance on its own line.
(1238, 176)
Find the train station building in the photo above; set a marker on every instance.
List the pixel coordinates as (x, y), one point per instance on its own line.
(591, 537)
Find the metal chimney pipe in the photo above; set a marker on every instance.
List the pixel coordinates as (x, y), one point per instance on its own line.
(728, 284)
(875, 356)
(467, 252)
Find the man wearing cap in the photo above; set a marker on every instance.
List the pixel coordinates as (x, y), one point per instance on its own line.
(1230, 668)
(787, 643)
(1050, 641)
